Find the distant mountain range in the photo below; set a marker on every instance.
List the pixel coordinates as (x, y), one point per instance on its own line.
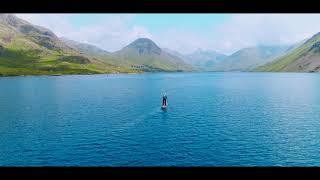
(304, 58)
(204, 59)
(247, 59)
(96, 52)
(144, 52)
(86, 48)
(244, 59)
(26, 49)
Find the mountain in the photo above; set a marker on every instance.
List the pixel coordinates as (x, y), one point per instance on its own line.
(26, 49)
(143, 53)
(204, 59)
(86, 48)
(95, 52)
(175, 53)
(304, 58)
(248, 58)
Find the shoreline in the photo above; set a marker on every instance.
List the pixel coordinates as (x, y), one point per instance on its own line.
(115, 73)
(122, 73)
(66, 74)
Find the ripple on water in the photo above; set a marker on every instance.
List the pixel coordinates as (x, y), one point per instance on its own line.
(213, 119)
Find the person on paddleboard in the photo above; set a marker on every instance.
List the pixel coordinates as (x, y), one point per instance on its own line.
(164, 99)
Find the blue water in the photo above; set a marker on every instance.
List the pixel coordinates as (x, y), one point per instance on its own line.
(213, 119)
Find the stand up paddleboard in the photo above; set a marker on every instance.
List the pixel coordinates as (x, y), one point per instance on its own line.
(164, 107)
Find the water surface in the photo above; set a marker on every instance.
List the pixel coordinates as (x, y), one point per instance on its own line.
(213, 119)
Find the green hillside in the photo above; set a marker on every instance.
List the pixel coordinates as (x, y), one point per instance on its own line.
(97, 53)
(26, 49)
(304, 58)
(145, 54)
(247, 59)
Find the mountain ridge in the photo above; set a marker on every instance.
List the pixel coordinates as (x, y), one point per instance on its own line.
(304, 58)
(144, 52)
(248, 58)
(33, 50)
(204, 59)
(27, 49)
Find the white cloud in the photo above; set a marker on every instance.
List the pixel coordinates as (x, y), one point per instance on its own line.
(241, 30)
(181, 40)
(251, 29)
(245, 30)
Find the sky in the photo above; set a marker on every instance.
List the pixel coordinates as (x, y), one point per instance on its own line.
(185, 33)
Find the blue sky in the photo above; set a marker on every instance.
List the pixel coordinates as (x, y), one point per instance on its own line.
(225, 33)
(158, 22)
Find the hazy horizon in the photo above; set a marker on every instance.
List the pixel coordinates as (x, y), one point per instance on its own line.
(185, 33)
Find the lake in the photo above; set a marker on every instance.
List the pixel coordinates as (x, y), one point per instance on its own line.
(213, 119)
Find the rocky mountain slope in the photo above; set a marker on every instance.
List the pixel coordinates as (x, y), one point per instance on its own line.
(247, 59)
(304, 58)
(144, 53)
(26, 49)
